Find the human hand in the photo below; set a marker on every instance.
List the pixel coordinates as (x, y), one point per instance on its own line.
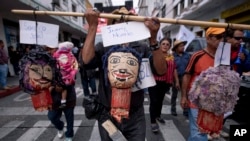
(177, 86)
(153, 25)
(58, 88)
(184, 102)
(242, 56)
(91, 16)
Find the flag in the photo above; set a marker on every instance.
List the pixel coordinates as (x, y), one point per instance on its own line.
(185, 35)
(88, 4)
(159, 35)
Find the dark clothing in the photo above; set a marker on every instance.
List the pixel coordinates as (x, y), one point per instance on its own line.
(14, 60)
(87, 81)
(137, 98)
(133, 128)
(157, 94)
(55, 118)
(55, 113)
(70, 99)
(3, 57)
(181, 64)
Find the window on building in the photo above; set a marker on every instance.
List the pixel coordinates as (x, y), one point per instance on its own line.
(163, 10)
(83, 19)
(182, 5)
(190, 2)
(175, 10)
(74, 10)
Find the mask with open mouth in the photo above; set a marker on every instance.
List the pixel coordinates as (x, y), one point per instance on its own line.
(122, 67)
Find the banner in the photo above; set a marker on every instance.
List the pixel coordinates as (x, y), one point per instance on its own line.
(185, 35)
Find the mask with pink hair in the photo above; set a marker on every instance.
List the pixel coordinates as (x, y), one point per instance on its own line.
(67, 62)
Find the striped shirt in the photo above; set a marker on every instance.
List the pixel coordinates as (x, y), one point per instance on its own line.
(199, 61)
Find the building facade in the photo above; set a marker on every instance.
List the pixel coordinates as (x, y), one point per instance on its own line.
(198, 10)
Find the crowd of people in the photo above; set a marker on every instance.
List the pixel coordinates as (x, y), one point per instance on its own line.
(173, 69)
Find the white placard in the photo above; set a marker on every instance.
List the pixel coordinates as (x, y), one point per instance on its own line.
(146, 76)
(47, 34)
(124, 33)
(222, 55)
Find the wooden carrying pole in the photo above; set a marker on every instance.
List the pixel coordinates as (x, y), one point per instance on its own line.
(138, 18)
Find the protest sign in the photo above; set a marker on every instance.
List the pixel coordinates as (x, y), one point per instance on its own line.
(145, 75)
(42, 34)
(124, 33)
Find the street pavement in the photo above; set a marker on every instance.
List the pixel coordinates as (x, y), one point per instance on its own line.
(20, 122)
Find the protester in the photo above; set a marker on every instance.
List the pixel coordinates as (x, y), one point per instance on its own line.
(199, 61)
(55, 113)
(3, 67)
(181, 59)
(14, 59)
(235, 37)
(163, 84)
(87, 79)
(134, 126)
(68, 66)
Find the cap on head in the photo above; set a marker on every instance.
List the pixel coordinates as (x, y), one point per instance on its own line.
(178, 42)
(214, 31)
(121, 11)
(68, 45)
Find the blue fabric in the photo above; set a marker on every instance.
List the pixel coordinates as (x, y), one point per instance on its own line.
(3, 75)
(55, 115)
(244, 66)
(195, 135)
(181, 62)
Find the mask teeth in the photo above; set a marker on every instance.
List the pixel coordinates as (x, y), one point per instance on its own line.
(126, 78)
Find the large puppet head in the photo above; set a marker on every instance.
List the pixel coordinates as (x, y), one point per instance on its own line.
(37, 71)
(121, 66)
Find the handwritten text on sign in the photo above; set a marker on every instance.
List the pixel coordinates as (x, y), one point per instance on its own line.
(124, 33)
(44, 33)
(222, 55)
(146, 76)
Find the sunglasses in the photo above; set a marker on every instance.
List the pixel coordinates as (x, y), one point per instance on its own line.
(238, 38)
(218, 36)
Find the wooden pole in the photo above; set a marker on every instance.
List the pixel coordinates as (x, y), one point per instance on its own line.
(138, 18)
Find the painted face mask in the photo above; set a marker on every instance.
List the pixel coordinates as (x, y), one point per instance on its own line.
(67, 62)
(37, 75)
(122, 67)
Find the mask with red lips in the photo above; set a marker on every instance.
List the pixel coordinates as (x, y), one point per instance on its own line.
(122, 69)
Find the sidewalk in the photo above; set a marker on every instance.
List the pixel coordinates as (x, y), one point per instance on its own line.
(13, 83)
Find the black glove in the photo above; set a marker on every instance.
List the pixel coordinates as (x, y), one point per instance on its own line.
(104, 115)
(92, 107)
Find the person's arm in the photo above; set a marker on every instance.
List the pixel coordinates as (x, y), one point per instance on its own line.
(159, 62)
(177, 83)
(88, 51)
(184, 89)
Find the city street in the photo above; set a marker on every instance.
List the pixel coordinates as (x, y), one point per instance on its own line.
(20, 122)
